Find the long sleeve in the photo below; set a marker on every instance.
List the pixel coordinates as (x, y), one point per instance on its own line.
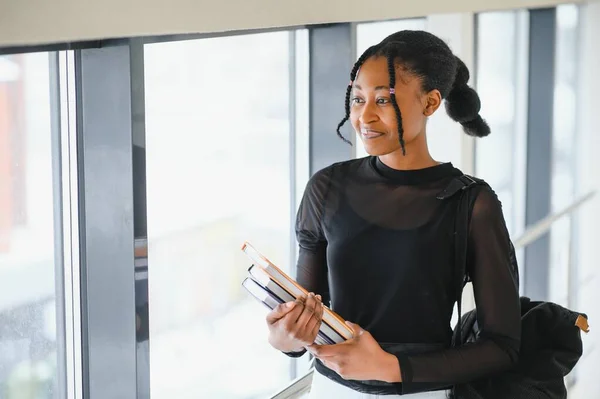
(498, 311)
(311, 268)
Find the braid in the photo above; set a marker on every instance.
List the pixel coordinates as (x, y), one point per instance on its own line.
(347, 107)
(429, 58)
(353, 73)
(425, 56)
(392, 72)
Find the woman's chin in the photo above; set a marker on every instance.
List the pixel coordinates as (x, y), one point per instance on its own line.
(377, 150)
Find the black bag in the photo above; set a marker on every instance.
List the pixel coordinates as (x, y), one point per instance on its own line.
(550, 334)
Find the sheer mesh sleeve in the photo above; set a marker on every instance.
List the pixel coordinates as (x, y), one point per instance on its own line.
(498, 310)
(311, 269)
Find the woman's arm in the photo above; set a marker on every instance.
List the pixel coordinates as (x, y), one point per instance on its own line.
(311, 268)
(498, 309)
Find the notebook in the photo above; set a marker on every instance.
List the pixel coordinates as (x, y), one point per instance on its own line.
(279, 286)
(271, 300)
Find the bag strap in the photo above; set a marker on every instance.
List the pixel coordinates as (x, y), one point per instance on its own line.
(461, 186)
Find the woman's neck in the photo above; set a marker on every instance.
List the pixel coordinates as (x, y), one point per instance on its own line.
(401, 162)
(415, 158)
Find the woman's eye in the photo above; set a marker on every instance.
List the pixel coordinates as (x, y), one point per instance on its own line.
(383, 100)
(356, 100)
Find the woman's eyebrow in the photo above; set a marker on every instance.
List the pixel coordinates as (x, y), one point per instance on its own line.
(357, 87)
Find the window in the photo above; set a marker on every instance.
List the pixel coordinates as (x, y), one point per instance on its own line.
(370, 33)
(501, 59)
(28, 342)
(564, 147)
(218, 172)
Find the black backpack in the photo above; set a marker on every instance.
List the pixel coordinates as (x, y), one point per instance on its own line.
(550, 334)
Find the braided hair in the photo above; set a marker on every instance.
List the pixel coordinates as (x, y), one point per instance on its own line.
(368, 53)
(427, 57)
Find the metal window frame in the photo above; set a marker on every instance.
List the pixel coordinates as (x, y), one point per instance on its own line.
(332, 49)
(104, 167)
(540, 111)
(66, 224)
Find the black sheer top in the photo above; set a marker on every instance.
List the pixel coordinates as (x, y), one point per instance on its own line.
(378, 246)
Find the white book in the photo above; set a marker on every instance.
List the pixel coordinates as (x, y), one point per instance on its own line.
(271, 301)
(331, 318)
(260, 276)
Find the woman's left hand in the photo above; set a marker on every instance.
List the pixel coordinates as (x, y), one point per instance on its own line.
(359, 358)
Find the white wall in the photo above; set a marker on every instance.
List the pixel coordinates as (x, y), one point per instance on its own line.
(43, 21)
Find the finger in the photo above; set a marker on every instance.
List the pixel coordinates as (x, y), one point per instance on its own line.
(321, 310)
(356, 329)
(326, 351)
(313, 349)
(295, 313)
(289, 319)
(280, 311)
(315, 321)
(309, 310)
(315, 330)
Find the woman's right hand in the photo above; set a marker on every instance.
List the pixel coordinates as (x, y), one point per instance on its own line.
(294, 325)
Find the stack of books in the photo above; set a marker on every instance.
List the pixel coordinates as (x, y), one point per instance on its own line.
(271, 286)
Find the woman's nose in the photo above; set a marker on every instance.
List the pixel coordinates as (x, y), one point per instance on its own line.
(367, 114)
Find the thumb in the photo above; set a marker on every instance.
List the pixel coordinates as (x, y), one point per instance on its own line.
(280, 311)
(356, 329)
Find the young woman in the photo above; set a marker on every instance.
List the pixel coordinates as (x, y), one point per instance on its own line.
(377, 246)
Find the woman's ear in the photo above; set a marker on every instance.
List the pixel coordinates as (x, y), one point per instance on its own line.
(433, 100)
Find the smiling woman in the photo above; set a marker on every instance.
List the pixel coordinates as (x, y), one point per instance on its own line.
(395, 75)
(375, 226)
(374, 115)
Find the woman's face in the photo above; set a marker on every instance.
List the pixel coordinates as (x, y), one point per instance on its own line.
(372, 113)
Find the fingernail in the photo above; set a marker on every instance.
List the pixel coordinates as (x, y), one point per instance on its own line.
(290, 304)
(319, 297)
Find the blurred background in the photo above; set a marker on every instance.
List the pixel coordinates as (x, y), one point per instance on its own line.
(136, 158)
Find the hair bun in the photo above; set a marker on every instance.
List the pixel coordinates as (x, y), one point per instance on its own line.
(462, 73)
(463, 104)
(477, 127)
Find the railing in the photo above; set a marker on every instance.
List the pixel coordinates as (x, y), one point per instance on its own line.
(297, 388)
(301, 385)
(543, 226)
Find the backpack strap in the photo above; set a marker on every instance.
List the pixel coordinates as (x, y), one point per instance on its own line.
(460, 186)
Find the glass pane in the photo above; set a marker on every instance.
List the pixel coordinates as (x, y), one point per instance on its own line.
(28, 358)
(370, 33)
(218, 173)
(503, 96)
(564, 145)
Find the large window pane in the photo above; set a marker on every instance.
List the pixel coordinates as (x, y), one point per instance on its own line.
(370, 33)
(564, 145)
(500, 81)
(218, 173)
(28, 358)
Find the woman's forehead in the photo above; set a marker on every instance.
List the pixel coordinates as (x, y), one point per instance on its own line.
(374, 73)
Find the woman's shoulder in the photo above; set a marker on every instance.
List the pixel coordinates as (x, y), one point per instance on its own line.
(485, 201)
(340, 170)
(335, 175)
(484, 198)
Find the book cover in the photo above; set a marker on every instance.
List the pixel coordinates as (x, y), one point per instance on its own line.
(332, 319)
